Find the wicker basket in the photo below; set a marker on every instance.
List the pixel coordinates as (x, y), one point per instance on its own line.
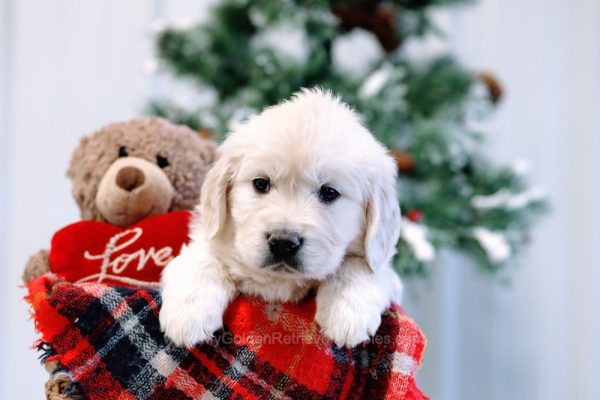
(59, 384)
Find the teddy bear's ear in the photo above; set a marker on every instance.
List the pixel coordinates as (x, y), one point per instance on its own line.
(213, 197)
(77, 158)
(208, 152)
(83, 161)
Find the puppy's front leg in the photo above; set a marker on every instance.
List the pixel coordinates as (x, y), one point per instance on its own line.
(196, 292)
(350, 303)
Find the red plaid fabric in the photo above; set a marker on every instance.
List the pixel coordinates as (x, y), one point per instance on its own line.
(110, 341)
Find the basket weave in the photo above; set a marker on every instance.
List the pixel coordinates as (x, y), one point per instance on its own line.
(57, 384)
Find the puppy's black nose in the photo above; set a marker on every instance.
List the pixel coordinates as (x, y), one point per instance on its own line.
(284, 244)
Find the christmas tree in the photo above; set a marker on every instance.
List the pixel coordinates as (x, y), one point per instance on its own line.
(252, 54)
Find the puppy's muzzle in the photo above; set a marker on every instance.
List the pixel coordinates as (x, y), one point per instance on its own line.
(284, 245)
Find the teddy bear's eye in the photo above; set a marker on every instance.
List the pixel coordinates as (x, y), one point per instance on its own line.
(162, 162)
(123, 152)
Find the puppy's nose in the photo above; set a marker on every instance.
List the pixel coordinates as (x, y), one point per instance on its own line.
(284, 244)
(130, 178)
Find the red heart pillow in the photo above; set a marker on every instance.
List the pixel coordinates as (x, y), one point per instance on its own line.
(91, 251)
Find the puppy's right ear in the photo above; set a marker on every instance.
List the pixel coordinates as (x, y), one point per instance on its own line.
(383, 217)
(213, 197)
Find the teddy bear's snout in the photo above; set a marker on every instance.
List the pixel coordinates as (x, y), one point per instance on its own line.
(132, 189)
(130, 178)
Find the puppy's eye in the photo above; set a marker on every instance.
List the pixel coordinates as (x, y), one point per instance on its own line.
(162, 162)
(123, 151)
(327, 194)
(261, 185)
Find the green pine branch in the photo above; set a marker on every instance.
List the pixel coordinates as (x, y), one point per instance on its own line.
(426, 109)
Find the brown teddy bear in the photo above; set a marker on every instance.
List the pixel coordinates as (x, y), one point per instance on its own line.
(129, 171)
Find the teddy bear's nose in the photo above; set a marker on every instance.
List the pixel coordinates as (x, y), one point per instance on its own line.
(129, 178)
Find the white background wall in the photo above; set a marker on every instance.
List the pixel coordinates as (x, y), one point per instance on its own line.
(68, 67)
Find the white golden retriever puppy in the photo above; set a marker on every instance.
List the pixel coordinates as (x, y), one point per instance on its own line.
(301, 197)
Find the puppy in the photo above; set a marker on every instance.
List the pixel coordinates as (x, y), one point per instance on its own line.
(301, 197)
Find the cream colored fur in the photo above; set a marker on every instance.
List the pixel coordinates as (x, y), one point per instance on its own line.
(309, 141)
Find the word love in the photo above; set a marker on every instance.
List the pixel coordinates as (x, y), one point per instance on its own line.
(115, 260)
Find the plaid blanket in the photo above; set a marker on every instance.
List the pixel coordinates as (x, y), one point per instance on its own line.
(109, 340)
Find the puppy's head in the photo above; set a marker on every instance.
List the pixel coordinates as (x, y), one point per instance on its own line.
(299, 187)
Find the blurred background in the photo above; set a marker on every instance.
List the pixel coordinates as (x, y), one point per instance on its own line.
(529, 332)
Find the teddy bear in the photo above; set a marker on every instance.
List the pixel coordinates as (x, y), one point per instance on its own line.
(129, 172)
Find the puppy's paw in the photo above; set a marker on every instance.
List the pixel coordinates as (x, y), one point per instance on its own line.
(347, 324)
(192, 321)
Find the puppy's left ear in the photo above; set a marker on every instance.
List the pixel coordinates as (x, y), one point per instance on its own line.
(213, 197)
(383, 219)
